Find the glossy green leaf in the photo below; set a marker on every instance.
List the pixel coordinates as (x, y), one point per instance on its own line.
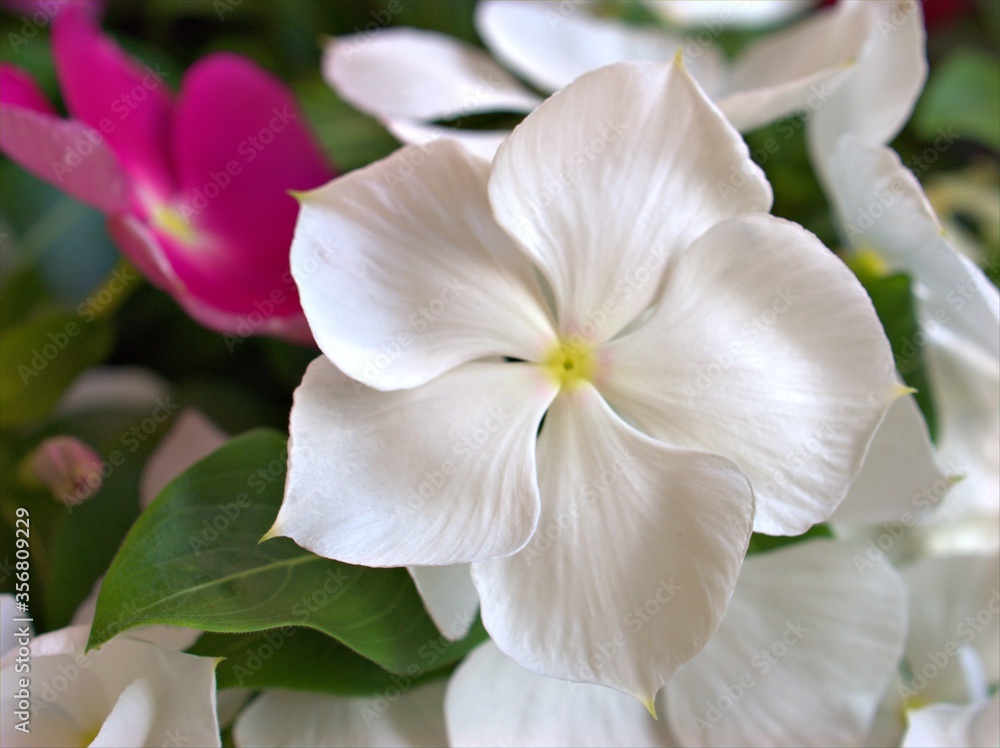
(761, 543)
(299, 658)
(193, 559)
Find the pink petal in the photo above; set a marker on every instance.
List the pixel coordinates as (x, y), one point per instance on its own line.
(130, 104)
(240, 143)
(137, 242)
(18, 88)
(66, 153)
(277, 315)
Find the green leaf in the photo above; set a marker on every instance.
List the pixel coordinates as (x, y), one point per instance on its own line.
(760, 543)
(39, 357)
(193, 559)
(962, 95)
(302, 659)
(894, 303)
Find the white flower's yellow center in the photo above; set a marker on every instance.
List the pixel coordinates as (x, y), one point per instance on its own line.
(170, 220)
(867, 262)
(570, 364)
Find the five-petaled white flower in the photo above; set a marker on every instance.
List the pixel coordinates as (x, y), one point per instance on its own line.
(570, 367)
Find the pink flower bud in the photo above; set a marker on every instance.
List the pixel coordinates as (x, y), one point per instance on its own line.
(67, 467)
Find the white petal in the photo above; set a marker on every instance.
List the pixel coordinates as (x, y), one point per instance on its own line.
(131, 719)
(482, 143)
(492, 701)
(103, 386)
(637, 548)
(551, 43)
(81, 690)
(192, 437)
(441, 474)
(876, 100)
(803, 656)
(289, 719)
(644, 165)
(955, 726)
(420, 75)
(403, 273)
(890, 719)
(765, 349)
(954, 605)
(899, 468)
(794, 70)
(727, 13)
(883, 207)
(966, 387)
(449, 596)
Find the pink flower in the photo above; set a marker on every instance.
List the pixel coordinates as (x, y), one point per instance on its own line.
(195, 190)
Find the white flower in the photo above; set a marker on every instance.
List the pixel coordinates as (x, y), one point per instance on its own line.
(410, 79)
(953, 726)
(953, 647)
(735, 13)
(802, 657)
(952, 654)
(128, 692)
(291, 719)
(675, 338)
(876, 97)
(884, 212)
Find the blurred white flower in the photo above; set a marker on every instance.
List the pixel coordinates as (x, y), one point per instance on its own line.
(884, 213)
(412, 717)
(411, 79)
(129, 692)
(802, 657)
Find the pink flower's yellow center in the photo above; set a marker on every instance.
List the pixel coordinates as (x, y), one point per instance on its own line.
(570, 364)
(171, 221)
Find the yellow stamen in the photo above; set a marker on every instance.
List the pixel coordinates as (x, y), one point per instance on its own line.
(868, 263)
(171, 221)
(570, 364)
